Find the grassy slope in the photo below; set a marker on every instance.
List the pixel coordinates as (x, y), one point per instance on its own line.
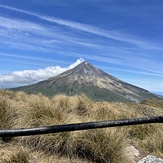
(101, 145)
(94, 93)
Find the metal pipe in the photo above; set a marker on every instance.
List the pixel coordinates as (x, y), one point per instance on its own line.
(78, 126)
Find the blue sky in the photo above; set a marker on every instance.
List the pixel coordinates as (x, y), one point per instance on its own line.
(39, 39)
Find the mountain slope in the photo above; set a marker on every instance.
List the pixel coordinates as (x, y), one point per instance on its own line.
(87, 79)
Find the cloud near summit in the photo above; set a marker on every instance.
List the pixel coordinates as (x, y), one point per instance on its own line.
(26, 77)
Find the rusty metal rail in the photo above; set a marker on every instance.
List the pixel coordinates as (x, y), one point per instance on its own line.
(79, 126)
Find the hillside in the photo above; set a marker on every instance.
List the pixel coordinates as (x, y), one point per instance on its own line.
(93, 82)
(115, 145)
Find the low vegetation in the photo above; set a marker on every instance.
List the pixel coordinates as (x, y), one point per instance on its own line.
(158, 103)
(20, 110)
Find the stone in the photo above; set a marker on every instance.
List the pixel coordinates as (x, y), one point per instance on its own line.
(150, 159)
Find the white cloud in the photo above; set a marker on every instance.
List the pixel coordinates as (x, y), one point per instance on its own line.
(20, 78)
(76, 63)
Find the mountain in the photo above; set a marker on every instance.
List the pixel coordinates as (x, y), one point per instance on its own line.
(93, 82)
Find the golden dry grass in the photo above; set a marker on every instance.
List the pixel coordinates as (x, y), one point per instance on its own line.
(18, 110)
(16, 153)
(10, 153)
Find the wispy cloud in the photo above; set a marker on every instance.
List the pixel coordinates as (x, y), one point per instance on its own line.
(142, 65)
(26, 29)
(133, 71)
(20, 78)
(109, 34)
(18, 24)
(25, 57)
(23, 34)
(150, 85)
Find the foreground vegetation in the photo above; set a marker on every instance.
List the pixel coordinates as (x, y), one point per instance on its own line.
(20, 110)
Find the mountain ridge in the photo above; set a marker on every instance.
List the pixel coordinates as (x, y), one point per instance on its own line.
(93, 82)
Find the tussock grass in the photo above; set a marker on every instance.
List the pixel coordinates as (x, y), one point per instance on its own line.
(21, 110)
(100, 146)
(112, 111)
(153, 102)
(141, 132)
(18, 157)
(7, 94)
(12, 154)
(80, 105)
(16, 153)
(154, 142)
(6, 117)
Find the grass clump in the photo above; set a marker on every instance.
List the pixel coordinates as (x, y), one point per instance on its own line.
(5, 115)
(19, 157)
(10, 154)
(141, 132)
(80, 105)
(45, 112)
(153, 102)
(154, 142)
(6, 119)
(103, 145)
